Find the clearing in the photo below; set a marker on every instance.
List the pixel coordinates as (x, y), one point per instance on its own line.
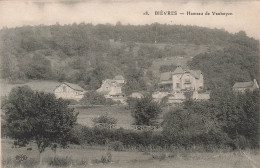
(134, 158)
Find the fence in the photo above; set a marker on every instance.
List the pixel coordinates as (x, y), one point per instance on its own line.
(132, 127)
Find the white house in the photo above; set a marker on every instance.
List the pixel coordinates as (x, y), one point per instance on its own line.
(178, 82)
(69, 91)
(186, 79)
(137, 95)
(110, 88)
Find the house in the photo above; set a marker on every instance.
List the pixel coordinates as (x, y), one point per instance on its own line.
(110, 88)
(241, 87)
(182, 79)
(178, 82)
(69, 91)
(186, 80)
(137, 95)
(119, 79)
(166, 81)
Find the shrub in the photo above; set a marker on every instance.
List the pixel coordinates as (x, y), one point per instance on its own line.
(159, 156)
(105, 119)
(117, 146)
(93, 98)
(60, 161)
(104, 159)
(82, 162)
(73, 102)
(21, 158)
(30, 163)
(146, 111)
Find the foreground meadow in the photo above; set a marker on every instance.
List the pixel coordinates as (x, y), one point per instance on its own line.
(95, 156)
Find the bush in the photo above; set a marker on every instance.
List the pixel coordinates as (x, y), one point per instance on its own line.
(72, 101)
(117, 146)
(146, 111)
(30, 163)
(104, 159)
(93, 98)
(60, 161)
(82, 162)
(159, 156)
(104, 119)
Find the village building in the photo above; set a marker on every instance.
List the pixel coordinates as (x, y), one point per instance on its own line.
(241, 87)
(181, 80)
(166, 81)
(69, 91)
(112, 88)
(186, 80)
(119, 79)
(137, 95)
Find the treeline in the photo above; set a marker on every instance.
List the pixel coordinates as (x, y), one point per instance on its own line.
(227, 120)
(237, 62)
(86, 54)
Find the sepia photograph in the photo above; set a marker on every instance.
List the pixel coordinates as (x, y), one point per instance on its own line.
(130, 84)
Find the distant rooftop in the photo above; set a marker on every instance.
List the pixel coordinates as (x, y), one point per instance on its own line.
(166, 76)
(243, 84)
(119, 77)
(74, 86)
(178, 70)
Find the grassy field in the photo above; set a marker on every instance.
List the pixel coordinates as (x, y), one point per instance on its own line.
(122, 115)
(87, 156)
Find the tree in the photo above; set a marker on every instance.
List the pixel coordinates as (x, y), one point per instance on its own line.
(38, 117)
(105, 120)
(95, 98)
(146, 111)
(181, 122)
(39, 68)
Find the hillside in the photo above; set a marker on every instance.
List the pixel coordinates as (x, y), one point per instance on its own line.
(87, 54)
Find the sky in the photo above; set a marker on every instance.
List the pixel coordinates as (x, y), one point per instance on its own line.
(245, 14)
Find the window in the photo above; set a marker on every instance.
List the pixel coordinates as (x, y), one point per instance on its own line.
(178, 85)
(187, 78)
(64, 88)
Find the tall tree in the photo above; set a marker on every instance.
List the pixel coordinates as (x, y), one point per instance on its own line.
(39, 117)
(146, 111)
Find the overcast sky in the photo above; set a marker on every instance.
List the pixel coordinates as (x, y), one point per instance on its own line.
(246, 14)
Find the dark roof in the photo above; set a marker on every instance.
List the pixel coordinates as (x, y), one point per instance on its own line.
(112, 82)
(178, 70)
(119, 77)
(166, 76)
(74, 86)
(243, 84)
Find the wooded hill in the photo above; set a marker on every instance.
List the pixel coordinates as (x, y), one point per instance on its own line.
(87, 54)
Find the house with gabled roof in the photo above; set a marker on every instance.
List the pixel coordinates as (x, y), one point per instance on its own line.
(182, 79)
(179, 81)
(241, 87)
(112, 88)
(119, 79)
(69, 91)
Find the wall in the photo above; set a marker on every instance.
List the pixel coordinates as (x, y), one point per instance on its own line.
(69, 93)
